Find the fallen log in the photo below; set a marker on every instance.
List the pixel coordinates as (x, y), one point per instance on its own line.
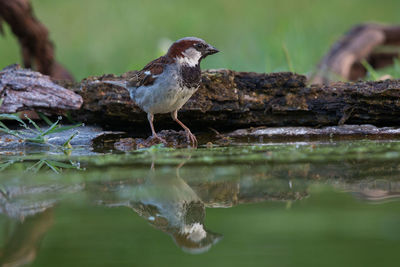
(341, 132)
(22, 89)
(225, 100)
(229, 99)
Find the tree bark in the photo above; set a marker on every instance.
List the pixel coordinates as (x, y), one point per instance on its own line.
(229, 99)
(225, 100)
(22, 89)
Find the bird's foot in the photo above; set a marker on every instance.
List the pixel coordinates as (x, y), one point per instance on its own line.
(162, 140)
(191, 138)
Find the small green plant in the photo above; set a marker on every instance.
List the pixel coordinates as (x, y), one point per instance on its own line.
(55, 166)
(396, 66)
(287, 57)
(36, 134)
(4, 165)
(374, 75)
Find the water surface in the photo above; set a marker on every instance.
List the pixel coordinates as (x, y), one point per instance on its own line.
(277, 204)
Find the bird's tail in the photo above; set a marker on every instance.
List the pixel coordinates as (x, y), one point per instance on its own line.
(117, 83)
(123, 84)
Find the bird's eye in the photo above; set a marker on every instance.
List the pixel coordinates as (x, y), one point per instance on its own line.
(199, 45)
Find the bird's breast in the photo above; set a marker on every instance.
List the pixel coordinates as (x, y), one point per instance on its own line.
(168, 93)
(190, 76)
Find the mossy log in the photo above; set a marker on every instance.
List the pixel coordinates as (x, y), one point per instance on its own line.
(226, 100)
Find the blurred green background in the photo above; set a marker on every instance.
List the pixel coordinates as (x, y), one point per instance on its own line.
(326, 229)
(102, 36)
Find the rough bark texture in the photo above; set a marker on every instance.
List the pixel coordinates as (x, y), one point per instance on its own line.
(22, 89)
(340, 132)
(37, 50)
(225, 100)
(229, 99)
(361, 42)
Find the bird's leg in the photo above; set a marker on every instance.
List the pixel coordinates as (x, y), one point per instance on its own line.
(150, 117)
(190, 137)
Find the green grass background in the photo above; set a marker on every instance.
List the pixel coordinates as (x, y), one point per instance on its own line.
(102, 36)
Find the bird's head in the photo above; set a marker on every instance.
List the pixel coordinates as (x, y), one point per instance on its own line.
(190, 50)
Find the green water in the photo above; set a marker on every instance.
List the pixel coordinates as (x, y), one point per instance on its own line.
(297, 204)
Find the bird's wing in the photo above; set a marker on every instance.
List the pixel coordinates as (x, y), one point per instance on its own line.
(117, 83)
(148, 75)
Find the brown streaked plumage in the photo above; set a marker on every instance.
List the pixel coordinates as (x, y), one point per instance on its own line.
(166, 83)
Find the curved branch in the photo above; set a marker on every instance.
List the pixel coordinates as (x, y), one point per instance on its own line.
(36, 48)
(361, 42)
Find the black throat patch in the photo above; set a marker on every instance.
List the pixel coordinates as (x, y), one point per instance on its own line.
(191, 76)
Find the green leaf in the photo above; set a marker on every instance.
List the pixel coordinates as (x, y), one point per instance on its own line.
(61, 164)
(38, 139)
(69, 117)
(14, 117)
(51, 129)
(4, 165)
(34, 124)
(52, 167)
(36, 167)
(370, 70)
(67, 144)
(40, 134)
(396, 64)
(287, 57)
(2, 125)
(65, 128)
(5, 129)
(45, 118)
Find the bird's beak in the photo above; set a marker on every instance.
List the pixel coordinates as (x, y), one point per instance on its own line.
(211, 50)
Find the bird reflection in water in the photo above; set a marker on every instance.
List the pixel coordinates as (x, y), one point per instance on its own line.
(169, 204)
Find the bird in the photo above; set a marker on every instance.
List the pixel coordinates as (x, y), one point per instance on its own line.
(165, 84)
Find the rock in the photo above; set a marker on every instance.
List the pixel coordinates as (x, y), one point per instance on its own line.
(174, 139)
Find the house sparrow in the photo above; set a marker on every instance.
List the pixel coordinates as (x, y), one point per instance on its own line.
(166, 83)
